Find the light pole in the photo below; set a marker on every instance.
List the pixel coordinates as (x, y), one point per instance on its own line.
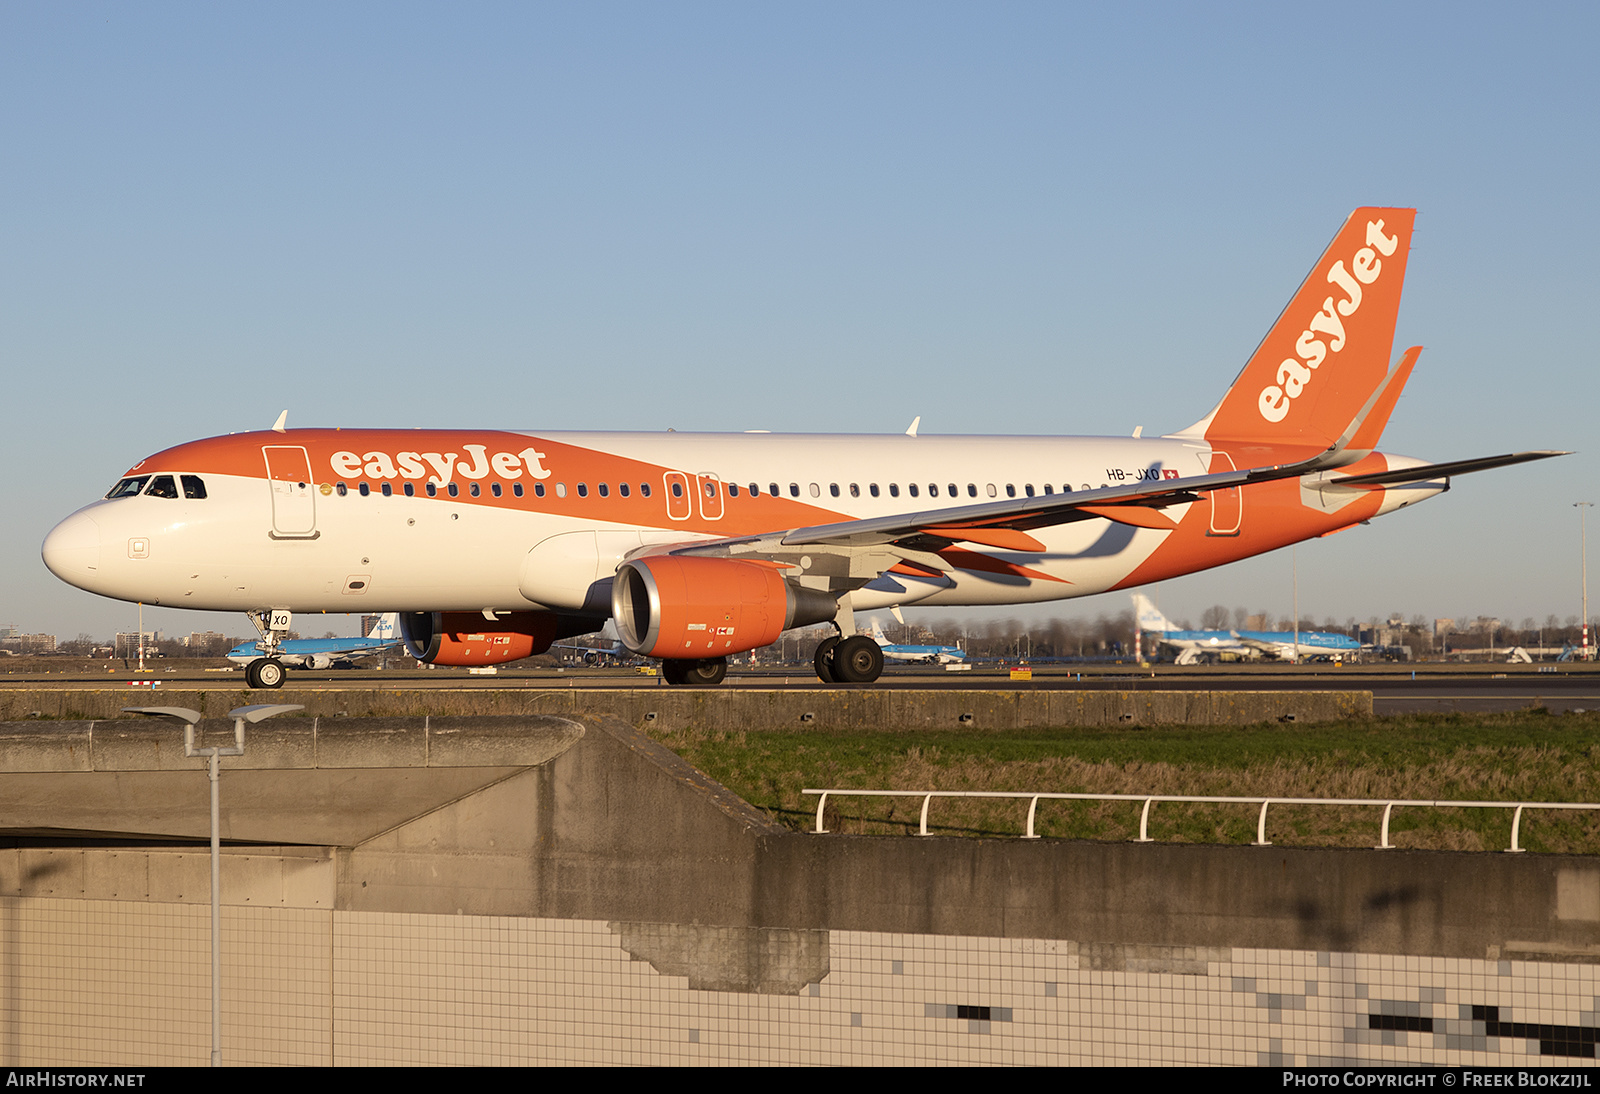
(1583, 532)
(240, 716)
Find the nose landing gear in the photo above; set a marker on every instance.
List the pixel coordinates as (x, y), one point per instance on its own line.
(267, 671)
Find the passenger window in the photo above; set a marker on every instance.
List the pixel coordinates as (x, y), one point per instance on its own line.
(363, 489)
(622, 489)
(933, 490)
(127, 488)
(516, 489)
(194, 487)
(1011, 491)
(972, 489)
(991, 489)
(454, 490)
(473, 490)
(794, 490)
(755, 490)
(733, 490)
(538, 490)
(911, 488)
(561, 489)
(1028, 489)
(677, 489)
(162, 486)
(583, 490)
(710, 488)
(816, 491)
(495, 489)
(644, 490)
(894, 490)
(855, 491)
(388, 491)
(433, 491)
(954, 493)
(833, 489)
(873, 489)
(341, 489)
(411, 490)
(605, 491)
(1048, 489)
(773, 489)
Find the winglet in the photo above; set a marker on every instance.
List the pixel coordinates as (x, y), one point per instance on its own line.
(283, 420)
(1370, 431)
(912, 432)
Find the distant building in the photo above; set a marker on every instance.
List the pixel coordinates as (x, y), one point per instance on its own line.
(127, 644)
(28, 643)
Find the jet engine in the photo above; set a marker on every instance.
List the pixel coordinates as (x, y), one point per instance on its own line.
(467, 638)
(686, 607)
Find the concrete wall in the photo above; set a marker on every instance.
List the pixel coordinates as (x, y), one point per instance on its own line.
(536, 890)
(734, 708)
(547, 817)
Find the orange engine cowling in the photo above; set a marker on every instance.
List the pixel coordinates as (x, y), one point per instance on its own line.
(465, 638)
(689, 607)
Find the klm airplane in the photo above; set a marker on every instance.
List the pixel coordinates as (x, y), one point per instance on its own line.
(928, 655)
(1279, 645)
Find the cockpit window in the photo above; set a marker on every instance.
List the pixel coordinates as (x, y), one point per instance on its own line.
(162, 486)
(194, 487)
(127, 488)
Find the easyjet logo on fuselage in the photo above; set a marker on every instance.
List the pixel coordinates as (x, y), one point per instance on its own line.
(476, 464)
(1295, 372)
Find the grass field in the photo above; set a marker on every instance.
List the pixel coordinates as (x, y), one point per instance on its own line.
(1526, 756)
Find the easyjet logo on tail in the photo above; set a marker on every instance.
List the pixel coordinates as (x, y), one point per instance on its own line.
(1366, 265)
(415, 465)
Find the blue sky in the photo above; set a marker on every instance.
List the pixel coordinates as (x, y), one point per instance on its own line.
(1021, 218)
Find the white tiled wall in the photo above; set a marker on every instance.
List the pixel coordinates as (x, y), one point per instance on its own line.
(127, 983)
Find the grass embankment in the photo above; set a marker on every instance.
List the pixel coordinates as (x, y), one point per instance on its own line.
(1527, 756)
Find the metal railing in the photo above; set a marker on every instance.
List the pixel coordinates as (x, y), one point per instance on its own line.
(1149, 800)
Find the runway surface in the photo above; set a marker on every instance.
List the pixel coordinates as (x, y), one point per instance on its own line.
(1396, 689)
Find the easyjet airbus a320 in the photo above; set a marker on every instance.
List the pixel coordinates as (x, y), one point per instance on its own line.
(494, 544)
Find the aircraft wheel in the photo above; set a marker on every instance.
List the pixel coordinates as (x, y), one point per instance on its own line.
(824, 662)
(706, 673)
(674, 671)
(269, 673)
(857, 660)
(251, 680)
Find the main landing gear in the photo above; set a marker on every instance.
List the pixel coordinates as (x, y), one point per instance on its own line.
(854, 660)
(703, 673)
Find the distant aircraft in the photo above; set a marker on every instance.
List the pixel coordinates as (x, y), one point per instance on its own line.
(927, 655)
(612, 652)
(318, 653)
(1192, 645)
(495, 543)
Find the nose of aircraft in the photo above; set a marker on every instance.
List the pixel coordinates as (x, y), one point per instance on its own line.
(72, 550)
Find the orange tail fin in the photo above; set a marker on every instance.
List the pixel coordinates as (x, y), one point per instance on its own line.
(1325, 358)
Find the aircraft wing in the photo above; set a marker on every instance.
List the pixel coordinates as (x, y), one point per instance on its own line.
(1004, 523)
(1440, 470)
(1277, 649)
(847, 555)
